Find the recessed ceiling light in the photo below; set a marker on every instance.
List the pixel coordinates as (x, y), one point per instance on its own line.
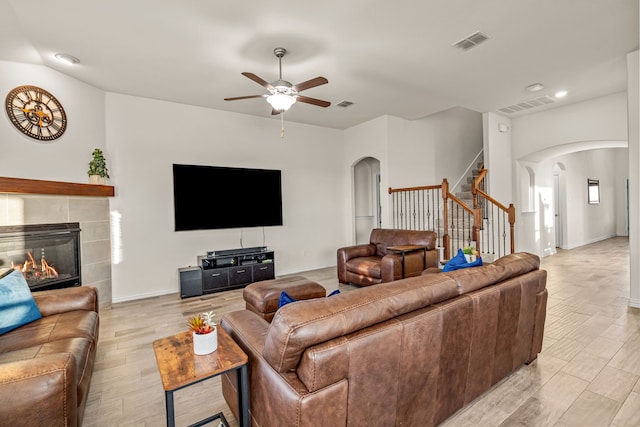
(535, 87)
(66, 58)
(561, 94)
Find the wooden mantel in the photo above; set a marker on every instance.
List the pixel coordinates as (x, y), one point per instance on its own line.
(36, 186)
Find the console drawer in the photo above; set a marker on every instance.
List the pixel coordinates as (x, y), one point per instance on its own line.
(215, 279)
(239, 275)
(263, 271)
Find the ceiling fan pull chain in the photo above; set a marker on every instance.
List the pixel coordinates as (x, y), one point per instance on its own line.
(282, 125)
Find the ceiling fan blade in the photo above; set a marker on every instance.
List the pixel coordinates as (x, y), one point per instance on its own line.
(310, 83)
(244, 97)
(314, 101)
(258, 80)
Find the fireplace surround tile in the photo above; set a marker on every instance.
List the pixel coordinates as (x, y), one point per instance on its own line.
(27, 209)
(89, 208)
(95, 230)
(95, 251)
(93, 215)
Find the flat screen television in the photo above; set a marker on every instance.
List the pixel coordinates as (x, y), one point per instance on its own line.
(214, 197)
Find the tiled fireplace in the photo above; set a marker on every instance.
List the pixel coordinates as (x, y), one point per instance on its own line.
(48, 255)
(91, 213)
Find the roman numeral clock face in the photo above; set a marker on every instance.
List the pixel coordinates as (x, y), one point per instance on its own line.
(36, 113)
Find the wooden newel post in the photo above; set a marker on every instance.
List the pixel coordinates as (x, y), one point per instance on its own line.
(512, 220)
(445, 219)
(477, 226)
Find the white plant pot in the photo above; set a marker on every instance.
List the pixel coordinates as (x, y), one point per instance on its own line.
(97, 179)
(470, 258)
(205, 343)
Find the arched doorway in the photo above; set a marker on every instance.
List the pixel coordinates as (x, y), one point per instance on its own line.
(366, 194)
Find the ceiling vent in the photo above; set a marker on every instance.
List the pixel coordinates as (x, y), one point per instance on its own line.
(527, 105)
(471, 41)
(345, 104)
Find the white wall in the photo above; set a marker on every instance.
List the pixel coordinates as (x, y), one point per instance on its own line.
(537, 140)
(601, 119)
(368, 139)
(145, 137)
(411, 148)
(620, 187)
(589, 222)
(63, 159)
(456, 135)
(633, 80)
(427, 150)
(583, 223)
(497, 157)
(415, 153)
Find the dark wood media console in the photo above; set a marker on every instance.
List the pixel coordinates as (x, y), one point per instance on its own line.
(225, 270)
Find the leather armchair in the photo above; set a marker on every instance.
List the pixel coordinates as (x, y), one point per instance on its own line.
(374, 262)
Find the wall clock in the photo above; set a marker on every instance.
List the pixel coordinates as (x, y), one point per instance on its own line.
(36, 113)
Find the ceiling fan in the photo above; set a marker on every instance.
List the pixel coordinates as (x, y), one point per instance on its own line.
(282, 94)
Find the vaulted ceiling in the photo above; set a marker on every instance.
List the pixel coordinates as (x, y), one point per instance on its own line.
(387, 57)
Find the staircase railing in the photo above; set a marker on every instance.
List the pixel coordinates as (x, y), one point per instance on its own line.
(487, 224)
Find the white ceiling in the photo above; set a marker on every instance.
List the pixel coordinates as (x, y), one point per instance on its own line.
(387, 57)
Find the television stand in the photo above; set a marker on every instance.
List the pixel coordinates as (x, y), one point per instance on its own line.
(231, 269)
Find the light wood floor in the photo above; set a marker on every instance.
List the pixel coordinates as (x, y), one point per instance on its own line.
(587, 374)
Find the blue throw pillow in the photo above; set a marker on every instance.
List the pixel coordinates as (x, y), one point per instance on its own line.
(17, 306)
(285, 298)
(459, 261)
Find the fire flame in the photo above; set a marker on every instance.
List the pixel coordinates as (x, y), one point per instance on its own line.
(30, 268)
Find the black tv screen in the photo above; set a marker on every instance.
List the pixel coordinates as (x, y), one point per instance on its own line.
(213, 197)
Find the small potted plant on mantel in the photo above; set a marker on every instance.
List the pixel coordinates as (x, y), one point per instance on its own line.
(98, 172)
(205, 337)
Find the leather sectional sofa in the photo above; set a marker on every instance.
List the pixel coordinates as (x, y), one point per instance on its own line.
(373, 263)
(46, 365)
(410, 352)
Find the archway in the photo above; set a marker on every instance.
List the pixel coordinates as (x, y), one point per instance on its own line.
(366, 195)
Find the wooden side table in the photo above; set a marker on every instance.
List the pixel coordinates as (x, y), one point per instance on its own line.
(179, 367)
(405, 249)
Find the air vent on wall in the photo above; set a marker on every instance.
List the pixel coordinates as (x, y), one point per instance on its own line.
(527, 105)
(345, 104)
(470, 41)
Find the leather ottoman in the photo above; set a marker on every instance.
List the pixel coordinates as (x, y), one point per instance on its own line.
(262, 297)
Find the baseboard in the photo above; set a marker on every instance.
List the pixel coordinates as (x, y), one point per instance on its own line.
(588, 242)
(634, 302)
(145, 295)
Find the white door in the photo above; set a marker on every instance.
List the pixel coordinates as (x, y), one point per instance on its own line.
(557, 210)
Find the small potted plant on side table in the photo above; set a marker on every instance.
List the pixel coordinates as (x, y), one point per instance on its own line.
(470, 253)
(98, 172)
(205, 337)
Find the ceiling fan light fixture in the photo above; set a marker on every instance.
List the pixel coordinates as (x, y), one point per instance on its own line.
(281, 102)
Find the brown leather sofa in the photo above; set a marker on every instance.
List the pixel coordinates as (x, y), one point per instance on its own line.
(46, 365)
(410, 353)
(374, 262)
